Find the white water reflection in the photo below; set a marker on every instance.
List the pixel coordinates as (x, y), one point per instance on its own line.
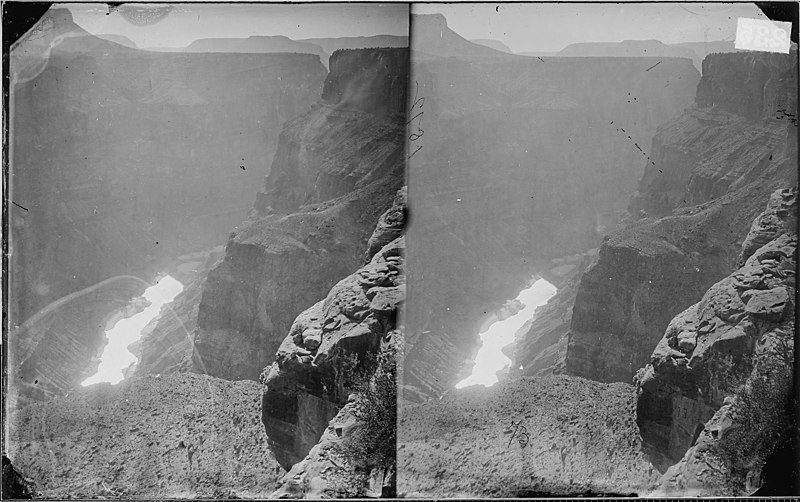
(116, 357)
(490, 358)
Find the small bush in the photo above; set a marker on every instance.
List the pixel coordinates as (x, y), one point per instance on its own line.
(372, 444)
(763, 418)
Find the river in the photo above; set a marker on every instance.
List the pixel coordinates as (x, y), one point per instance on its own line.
(490, 358)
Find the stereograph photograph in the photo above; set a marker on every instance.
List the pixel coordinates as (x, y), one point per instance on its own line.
(399, 250)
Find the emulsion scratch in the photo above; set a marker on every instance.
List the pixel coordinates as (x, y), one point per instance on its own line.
(19, 206)
(653, 66)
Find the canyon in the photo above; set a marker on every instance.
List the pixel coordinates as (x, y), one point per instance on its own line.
(331, 208)
(682, 299)
(714, 168)
(123, 160)
(509, 143)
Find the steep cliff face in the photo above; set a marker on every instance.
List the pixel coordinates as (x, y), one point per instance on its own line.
(740, 335)
(740, 126)
(317, 364)
(369, 81)
(508, 145)
(653, 269)
(123, 159)
(336, 170)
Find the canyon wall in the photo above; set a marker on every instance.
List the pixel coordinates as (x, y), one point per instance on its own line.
(122, 159)
(725, 167)
(521, 160)
(739, 335)
(336, 170)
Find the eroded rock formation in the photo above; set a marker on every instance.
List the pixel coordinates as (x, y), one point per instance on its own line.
(329, 344)
(336, 171)
(741, 331)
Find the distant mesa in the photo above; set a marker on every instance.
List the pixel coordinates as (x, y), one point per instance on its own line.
(492, 44)
(431, 35)
(696, 51)
(118, 39)
(256, 44)
(627, 48)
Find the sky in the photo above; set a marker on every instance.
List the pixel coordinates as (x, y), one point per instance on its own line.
(551, 27)
(188, 22)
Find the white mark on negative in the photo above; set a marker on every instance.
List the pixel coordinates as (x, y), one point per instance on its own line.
(763, 35)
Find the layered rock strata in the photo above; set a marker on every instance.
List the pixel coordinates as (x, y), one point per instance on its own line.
(336, 171)
(711, 170)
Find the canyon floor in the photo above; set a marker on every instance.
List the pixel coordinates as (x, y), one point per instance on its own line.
(582, 439)
(180, 435)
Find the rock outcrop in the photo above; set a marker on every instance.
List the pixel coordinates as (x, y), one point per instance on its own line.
(741, 332)
(173, 436)
(317, 365)
(355, 457)
(508, 144)
(528, 437)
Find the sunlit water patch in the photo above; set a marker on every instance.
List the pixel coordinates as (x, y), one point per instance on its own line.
(116, 357)
(499, 334)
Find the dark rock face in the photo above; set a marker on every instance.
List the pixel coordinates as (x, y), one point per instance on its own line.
(712, 347)
(336, 171)
(742, 124)
(372, 81)
(316, 365)
(116, 151)
(509, 144)
(751, 84)
(15, 485)
(331, 45)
